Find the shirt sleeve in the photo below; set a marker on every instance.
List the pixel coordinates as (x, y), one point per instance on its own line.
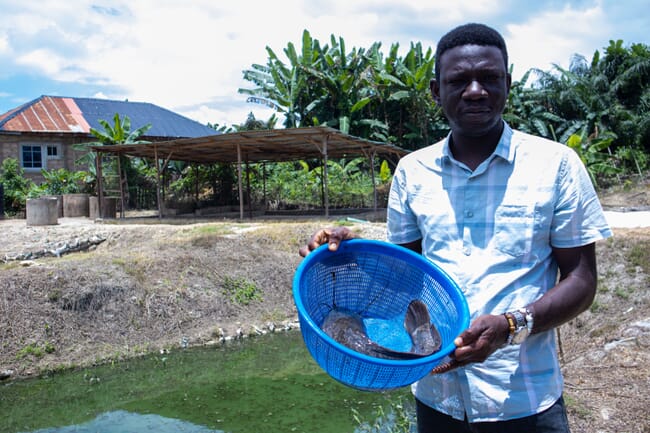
(578, 218)
(401, 223)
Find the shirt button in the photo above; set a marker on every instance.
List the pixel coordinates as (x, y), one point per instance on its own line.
(469, 214)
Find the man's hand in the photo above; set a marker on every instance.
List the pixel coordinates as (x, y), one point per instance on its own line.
(485, 335)
(331, 236)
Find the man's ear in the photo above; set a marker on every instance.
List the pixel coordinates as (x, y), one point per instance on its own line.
(435, 90)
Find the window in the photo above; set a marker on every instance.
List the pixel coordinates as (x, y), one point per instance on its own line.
(31, 157)
(53, 152)
(34, 157)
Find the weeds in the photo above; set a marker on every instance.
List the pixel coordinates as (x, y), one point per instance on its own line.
(35, 350)
(398, 418)
(639, 257)
(575, 407)
(241, 291)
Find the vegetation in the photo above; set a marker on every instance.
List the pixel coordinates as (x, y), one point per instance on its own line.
(362, 92)
(241, 291)
(116, 171)
(16, 186)
(60, 181)
(397, 417)
(599, 108)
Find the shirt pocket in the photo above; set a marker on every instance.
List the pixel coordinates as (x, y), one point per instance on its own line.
(513, 229)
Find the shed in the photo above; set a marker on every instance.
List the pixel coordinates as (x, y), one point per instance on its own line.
(273, 145)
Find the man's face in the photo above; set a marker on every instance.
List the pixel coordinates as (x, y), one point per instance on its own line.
(473, 88)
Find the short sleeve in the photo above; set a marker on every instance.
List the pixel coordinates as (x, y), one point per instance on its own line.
(578, 217)
(401, 223)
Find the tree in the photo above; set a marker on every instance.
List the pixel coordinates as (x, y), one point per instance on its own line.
(357, 92)
(600, 107)
(119, 133)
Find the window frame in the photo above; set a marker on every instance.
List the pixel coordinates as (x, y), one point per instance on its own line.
(44, 155)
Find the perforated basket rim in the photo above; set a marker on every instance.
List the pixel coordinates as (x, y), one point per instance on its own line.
(381, 247)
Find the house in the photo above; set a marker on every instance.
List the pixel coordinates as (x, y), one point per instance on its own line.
(40, 134)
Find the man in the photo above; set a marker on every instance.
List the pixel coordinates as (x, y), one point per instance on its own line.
(502, 212)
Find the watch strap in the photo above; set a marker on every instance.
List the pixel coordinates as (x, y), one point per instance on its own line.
(528, 315)
(512, 327)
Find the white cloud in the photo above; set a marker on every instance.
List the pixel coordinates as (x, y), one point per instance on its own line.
(554, 37)
(4, 44)
(43, 60)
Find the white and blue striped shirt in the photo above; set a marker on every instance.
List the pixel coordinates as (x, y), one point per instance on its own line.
(493, 230)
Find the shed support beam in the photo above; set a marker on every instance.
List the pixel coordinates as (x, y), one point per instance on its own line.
(239, 183)
(325, 182)
(100, 183)
(158, 185)
(374, 183)
(119, 179)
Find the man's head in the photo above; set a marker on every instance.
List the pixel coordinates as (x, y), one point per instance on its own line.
(472, 80)
(470, 34)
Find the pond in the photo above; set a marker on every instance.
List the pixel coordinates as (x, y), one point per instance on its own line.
(268, 384)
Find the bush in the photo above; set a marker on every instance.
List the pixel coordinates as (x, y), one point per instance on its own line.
(16, 186)
(62, 181)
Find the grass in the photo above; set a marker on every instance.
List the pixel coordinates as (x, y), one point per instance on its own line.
(575, 407)
(639, 256)
(137, 266)
(36, 350)
(204, 235)
(241, 291)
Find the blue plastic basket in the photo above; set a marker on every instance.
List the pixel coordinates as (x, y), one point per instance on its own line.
(376, 279)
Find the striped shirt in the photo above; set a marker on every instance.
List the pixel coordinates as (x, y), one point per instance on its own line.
(493, 230)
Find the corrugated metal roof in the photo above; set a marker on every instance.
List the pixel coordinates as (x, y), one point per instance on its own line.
(78, 115)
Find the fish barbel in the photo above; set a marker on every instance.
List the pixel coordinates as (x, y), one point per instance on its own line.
(348, 329)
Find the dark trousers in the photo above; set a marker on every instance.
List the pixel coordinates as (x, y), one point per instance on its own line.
(552, 420)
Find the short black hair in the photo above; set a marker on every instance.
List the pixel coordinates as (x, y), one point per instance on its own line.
(470, 34)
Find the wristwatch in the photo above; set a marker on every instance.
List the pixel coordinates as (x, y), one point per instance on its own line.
(523, 321)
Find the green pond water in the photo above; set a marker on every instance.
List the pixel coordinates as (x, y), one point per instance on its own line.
(266, 384)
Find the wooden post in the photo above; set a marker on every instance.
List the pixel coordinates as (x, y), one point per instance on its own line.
(374, 183)
(239, 183)
(100, 183)
(248, 189)
(325, 187)
(119, 179)
(158, 197)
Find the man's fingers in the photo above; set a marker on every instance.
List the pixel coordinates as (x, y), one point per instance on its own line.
(331, 237)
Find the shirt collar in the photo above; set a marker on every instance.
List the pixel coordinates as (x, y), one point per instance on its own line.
(505, 148)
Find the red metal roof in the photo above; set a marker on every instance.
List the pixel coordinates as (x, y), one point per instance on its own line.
(78, 115)
(46, 114)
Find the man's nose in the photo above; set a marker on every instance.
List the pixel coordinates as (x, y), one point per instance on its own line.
(474, 90)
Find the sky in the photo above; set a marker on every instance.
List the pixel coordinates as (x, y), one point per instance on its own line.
(188, 56)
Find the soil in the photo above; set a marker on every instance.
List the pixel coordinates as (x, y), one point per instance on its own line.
(152, 285)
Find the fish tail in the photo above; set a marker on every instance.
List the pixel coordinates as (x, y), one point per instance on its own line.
(417, 315)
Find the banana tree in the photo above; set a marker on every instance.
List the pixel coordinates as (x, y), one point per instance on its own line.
(119, 133)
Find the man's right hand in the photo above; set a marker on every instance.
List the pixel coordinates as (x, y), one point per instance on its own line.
(330, 236)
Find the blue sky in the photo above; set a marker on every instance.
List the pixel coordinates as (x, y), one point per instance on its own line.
(188, 56)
